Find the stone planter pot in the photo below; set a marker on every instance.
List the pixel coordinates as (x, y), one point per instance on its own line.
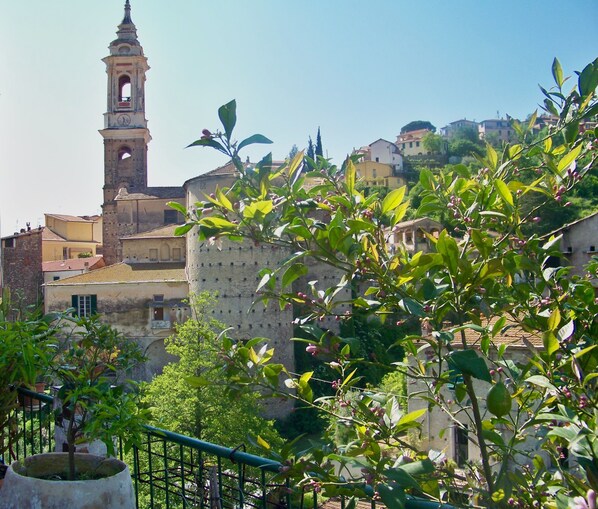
(24, 490)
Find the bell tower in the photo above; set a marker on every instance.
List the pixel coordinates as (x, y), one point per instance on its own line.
(125, 132)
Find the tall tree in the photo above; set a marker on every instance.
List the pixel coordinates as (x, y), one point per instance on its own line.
(319, 150)
(207, 413)
(293, 152)
(310, 149)
(416, 125)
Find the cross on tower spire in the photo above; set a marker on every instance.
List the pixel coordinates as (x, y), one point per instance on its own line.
(127, 19)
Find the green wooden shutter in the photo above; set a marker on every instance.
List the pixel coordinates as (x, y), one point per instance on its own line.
(94, 304)
(75, 304)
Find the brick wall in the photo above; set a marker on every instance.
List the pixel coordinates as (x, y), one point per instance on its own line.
(22, 267)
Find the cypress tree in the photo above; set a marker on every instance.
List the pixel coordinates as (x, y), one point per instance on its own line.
(319, 150)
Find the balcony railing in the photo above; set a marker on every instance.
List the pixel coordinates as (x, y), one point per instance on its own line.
(176, 471)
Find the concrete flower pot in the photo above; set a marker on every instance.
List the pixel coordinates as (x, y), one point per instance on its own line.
(24, 490)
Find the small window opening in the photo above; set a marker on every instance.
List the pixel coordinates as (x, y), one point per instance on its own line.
(124, 90)
(124, 153)
(592, 249)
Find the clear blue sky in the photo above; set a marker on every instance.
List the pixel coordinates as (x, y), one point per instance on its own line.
(359, 70)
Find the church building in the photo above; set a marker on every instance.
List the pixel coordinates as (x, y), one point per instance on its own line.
(130, 206)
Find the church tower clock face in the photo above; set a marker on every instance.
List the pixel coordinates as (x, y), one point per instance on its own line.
(124, 120)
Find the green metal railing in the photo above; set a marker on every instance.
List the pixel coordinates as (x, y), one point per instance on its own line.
(172, 471)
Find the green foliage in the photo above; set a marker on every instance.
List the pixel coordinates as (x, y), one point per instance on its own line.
(433, 142)
(416, 125)
(485, 276)
(96, 402)
(189, 396)
(319, 148)
(27, 346)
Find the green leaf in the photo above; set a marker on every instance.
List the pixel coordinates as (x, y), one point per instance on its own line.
(447, 247)
(177, 206)
(181, 230)
(252, 140)
(263, 443)
(207, 142)
(421, 467)
(402, 478)
(392, 496)
(492, 156)
(540, 381)
(554, 319)
(468, 362)
(223, 200)
(258, 208)
(504, 192)
(393, 199)
(557, 72)
(412, 416)
(426, 179)
(218, 222)
(228, 116)
(551, 343)
(566, 161)
(292, 273)
(350, 173)
(588, 79)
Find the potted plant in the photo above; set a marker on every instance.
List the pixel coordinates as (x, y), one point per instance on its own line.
(96, 403)
(26, 347)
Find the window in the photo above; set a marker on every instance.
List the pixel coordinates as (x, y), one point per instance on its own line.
(170, 216)
(461, 446)
(153, 255)
(124, 89)
(417, 143)
(158, 314)
(85, 305)
(9, 242)
(158, 308)
(592, 249)
(176, 254)
(56, 278)
(410, 144)
(65, 253)
(377, 159)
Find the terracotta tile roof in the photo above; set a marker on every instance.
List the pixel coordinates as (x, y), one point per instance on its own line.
(72, 219)
(122, 273)
(157, 233)
(73, 264)
(48, 234)
(418, 221)
(166, 192)
(512, 334)
(572, 223)
(32, 231)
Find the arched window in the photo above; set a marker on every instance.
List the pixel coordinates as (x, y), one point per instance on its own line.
(124, 153)
(124, 90)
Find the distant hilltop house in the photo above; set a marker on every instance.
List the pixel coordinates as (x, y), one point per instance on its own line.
(411, 235)
(452, 128)
(411, 143)
(579, 244)
(498, 129)
(381, 164)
